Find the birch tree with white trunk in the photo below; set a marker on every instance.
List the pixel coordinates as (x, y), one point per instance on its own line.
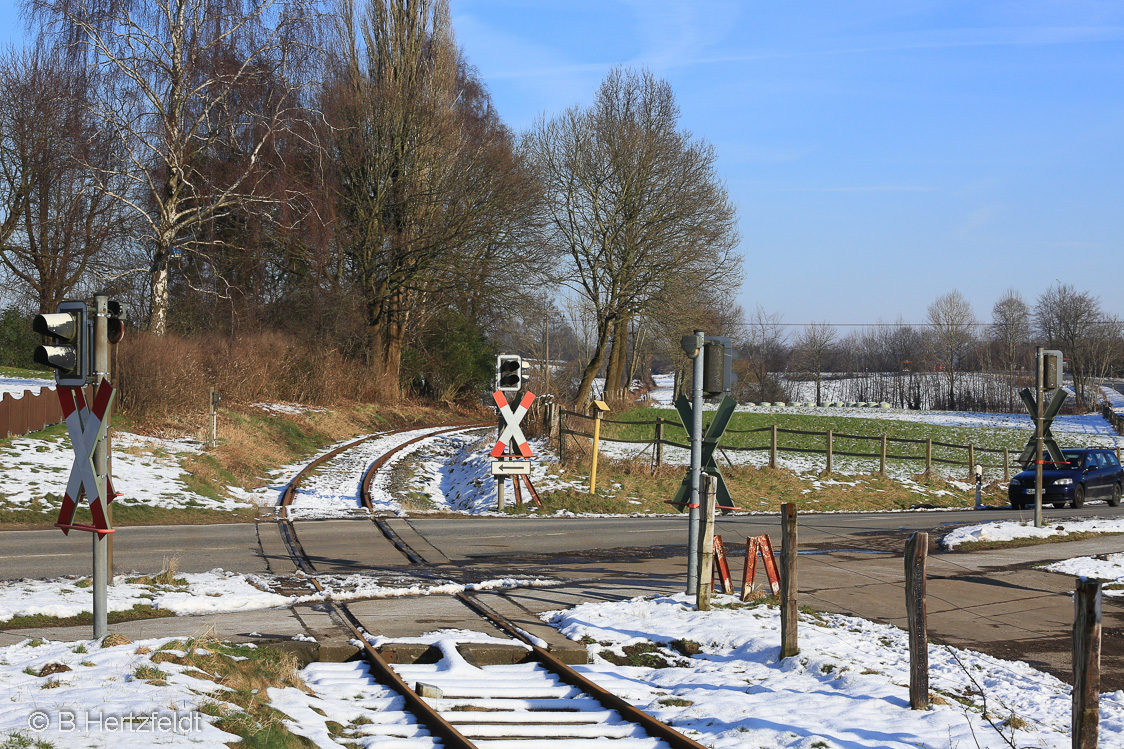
(170, 82)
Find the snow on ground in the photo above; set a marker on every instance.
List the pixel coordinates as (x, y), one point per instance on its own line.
(220, 592)
(457, 474)
(1010, 530)
(848, 686)
(1108, 568)
(287, 408)
(146, 470)
(17, 386)
(102, 699)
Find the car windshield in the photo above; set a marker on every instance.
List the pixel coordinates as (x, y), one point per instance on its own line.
(1074, 457)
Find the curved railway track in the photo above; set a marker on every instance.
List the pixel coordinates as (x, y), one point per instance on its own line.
(540, 699)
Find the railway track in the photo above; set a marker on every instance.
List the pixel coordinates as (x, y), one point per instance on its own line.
(458, 704)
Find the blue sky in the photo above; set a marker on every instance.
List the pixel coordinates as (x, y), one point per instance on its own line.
(881, 153)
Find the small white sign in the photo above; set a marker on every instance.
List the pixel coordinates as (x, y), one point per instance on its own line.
(510, 467)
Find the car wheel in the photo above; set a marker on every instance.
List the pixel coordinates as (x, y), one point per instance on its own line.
(1078, 497)
(1114, 500)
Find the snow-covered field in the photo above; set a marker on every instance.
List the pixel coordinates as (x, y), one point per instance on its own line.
(17, 386)
(1088, 429)
(146, 470)
(848, 686)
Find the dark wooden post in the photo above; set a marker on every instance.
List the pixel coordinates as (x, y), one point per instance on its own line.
(659, 442)
(561, 436)
(916, 551)
(1086, 664)
(706, 542)
(971, 462)
(1007, 465)
(928, 456)
(882, 458)
(789, 611)
(773, 448)
(830, 441)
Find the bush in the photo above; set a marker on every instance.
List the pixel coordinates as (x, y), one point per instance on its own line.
(453, 360)
(160, 376)
(17, 340)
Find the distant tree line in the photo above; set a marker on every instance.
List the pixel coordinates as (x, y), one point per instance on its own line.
(951, 360)
(336, 170)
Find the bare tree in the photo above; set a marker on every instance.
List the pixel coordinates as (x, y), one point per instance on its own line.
(1073, 322)
(66, 225)
(1010, 330)
(764, 345)
(952, 321)
(169, 74)
(812, 349)
(636, 206)
(433, 198)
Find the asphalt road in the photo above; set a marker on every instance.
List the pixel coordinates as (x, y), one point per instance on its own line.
(850, 563)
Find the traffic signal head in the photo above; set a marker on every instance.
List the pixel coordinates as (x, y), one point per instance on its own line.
(69, 353)
(718, 373)
(509, 372)
(115, 329)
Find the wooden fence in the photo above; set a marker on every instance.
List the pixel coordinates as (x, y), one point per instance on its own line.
(885, 448)
(1113, 418)
(28, 413)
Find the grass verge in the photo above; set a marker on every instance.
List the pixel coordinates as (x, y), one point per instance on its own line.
(628, 486)
(138, 612)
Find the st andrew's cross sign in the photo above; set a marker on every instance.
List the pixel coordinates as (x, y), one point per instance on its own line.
(87, 426)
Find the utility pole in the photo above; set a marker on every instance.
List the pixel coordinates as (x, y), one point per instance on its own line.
(1038, 433)
(693, 514)
(101, 540)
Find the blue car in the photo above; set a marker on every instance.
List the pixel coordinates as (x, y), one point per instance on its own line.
(1091, 473)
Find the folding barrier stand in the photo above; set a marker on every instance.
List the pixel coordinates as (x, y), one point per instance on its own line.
(754, 546)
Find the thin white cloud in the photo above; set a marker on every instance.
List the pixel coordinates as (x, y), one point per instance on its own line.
(862, 188)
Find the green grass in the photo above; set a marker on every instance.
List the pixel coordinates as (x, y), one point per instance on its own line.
(629, 486)
(139, 611)
(20, 740)
(981, 438)
(27, 374)
(125, 515)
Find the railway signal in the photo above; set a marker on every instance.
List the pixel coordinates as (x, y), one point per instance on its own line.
(509, 373)
(69, 352)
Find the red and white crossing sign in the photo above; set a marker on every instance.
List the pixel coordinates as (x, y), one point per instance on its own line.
(511, 431)
(87, 426)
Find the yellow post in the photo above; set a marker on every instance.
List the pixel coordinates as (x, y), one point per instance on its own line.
(599, 409)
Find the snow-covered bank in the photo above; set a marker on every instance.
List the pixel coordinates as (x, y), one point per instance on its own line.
(1011, 530)
(848, 686)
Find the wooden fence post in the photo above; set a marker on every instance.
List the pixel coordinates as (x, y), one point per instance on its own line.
(706, 543)
(659, 442)
(789, 611)
(561, 436)
(1086, 664)
(773, 448)
(928, 457)
(1007, 465)
(830, 441)
(916, 551)
(882, 458)
(971, 462)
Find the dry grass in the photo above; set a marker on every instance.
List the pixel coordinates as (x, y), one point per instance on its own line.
(631, 486)
(162, 376)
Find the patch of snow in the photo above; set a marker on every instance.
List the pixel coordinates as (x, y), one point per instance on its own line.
(1009, 530)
